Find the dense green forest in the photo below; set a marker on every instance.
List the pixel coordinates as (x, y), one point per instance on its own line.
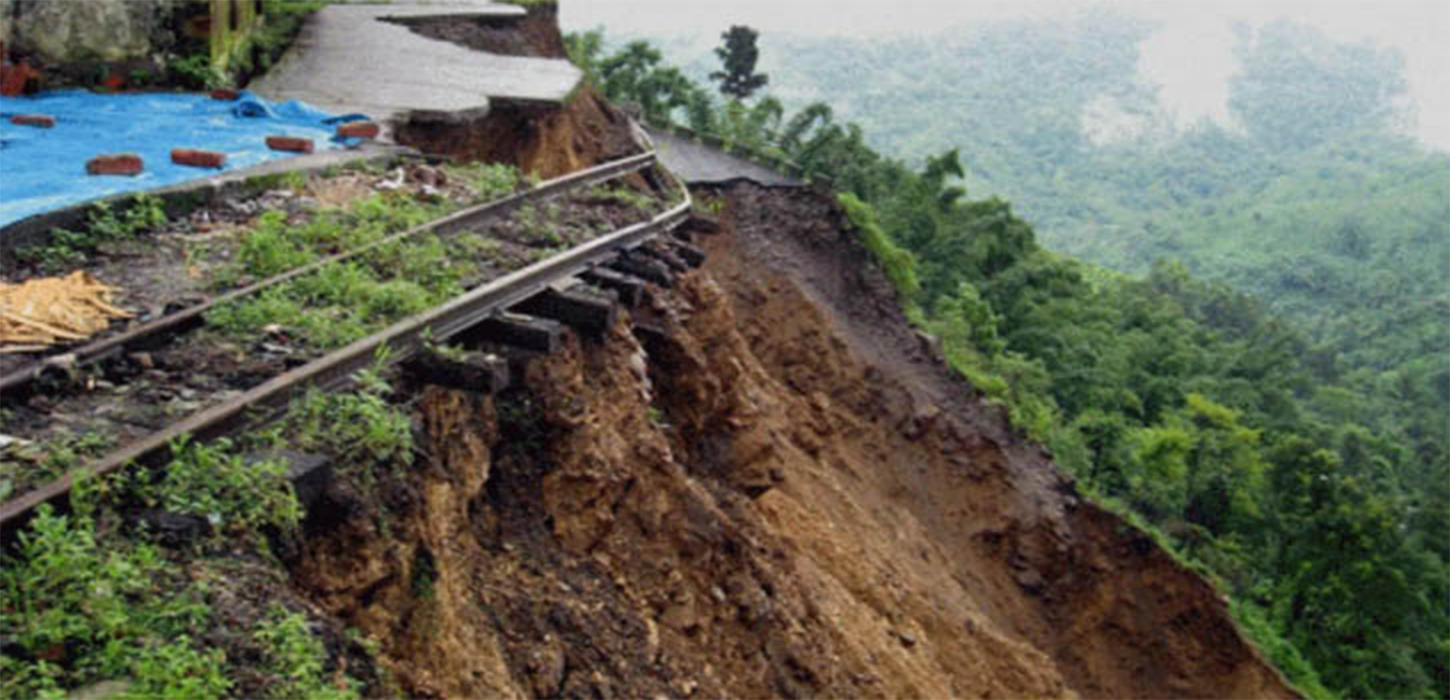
(1298, 453)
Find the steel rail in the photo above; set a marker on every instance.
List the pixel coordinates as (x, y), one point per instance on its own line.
(463, 219)
(331, 371)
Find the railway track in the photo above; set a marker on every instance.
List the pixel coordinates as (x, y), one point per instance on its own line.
(257, 395)
(102, 348)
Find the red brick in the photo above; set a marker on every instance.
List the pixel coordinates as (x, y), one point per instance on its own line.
(359, 130)
(14, 79)
(44, 121)
(115, 164)
(225, 94)
(198, 159)
(295, 144)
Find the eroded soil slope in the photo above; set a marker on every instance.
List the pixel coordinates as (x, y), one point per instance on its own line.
(545, 140)
(761, 485)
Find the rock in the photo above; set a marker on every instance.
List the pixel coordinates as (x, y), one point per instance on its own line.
(6, 441)
(170, 528)
(144, 360)
(95, 30)
(920, 423)
(303, 204)
(681, 616)
(392, 182)
(547, 669)
(1030, 580)
(7, 13)
(931, 345)
(908, 639)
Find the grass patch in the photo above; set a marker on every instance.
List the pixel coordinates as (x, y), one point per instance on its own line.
(898, 263)
(622, 195)
(25, 466)
(360, 429)
(68, 249)
(294, 659)
(78, 612)
(489, 181)
(343, 302)
(213, 482)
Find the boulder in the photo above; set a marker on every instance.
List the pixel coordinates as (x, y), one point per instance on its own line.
(73, 32)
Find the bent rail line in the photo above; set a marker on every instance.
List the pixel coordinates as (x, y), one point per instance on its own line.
(402, 339)
(459, 220)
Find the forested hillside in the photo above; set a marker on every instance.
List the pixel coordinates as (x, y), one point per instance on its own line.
(1298, 454)
(1315, 203)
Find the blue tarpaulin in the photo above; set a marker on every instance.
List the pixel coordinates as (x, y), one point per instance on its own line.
(45, 169)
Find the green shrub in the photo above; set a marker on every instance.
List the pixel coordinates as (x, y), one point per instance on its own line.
(212, 482)
(898, 263)
(67, 249)
(268, 249)
(196, 72)
(177, 671)
(294, 658)
(82, 612)
(360, 428)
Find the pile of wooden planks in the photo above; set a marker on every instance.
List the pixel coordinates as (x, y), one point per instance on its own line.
(37, 313)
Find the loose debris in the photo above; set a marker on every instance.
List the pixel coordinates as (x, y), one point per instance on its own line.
(40, 312)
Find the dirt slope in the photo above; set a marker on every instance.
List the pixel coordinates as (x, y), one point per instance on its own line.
(1117, 615)
(772, 493)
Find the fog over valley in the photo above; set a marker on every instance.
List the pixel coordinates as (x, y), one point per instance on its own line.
(1189, 54)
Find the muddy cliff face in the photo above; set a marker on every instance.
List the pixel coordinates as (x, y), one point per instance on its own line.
(761, 484)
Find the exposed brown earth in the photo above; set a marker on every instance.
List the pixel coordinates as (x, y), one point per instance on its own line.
(535, 34)
(774, 492)
(542, 139)
(762, 484)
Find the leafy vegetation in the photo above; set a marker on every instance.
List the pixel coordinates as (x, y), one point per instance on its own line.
(1307, 470)
(196, 72)
(341, 302)
(295, 659)
(85, 603)
(234, 495)
(67, 249)
(360, 429)
(79, 612)
(24, 465)
(738, 54)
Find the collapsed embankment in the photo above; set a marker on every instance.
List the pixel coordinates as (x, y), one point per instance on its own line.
(540, 138)
(543, 139)
(761, 484)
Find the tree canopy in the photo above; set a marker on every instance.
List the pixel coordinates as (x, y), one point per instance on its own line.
(738, 55)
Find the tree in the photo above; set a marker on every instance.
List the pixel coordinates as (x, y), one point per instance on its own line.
(737, 56)
(625, 71)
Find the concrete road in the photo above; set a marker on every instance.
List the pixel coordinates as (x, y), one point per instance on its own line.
(349, 58)
(698, 163)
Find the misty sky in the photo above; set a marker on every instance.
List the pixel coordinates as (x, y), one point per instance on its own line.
(1190, 55)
